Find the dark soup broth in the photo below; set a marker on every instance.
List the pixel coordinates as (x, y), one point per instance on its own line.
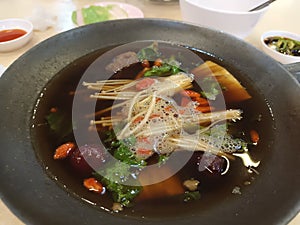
(72, 117)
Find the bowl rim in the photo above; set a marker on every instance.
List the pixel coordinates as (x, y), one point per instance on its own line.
(20, 23)
(287, 34)
(227, 12)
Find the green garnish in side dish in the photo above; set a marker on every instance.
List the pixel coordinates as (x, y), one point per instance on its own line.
(284, 45)
(94, 14)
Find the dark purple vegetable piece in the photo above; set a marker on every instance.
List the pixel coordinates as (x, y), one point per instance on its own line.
(88, 158)
(215, 165)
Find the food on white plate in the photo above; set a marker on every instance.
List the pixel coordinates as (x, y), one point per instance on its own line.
(105, 11)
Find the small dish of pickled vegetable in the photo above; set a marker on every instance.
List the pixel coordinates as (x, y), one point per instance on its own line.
(282, 46)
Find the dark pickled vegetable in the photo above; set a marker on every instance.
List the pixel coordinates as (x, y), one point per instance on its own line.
(284, 45)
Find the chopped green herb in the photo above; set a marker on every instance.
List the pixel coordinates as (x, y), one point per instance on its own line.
(163, 70)
(60, 123)
(124, 154)
(150, 53)
(163, 159)
(114, 177)
(123, 194)
(211, 88)
(191, 196)
(120, 149)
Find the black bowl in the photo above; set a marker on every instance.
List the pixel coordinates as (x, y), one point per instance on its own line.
(34, 197)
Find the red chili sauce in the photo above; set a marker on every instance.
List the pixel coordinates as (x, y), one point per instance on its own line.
(11, 34)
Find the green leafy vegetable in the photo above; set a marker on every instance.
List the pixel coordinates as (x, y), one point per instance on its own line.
(121, 151)
(60, 123)
(169, 67)
(114, 177)
(121, 193)
(212, 89)
(150, 53)
(191, 196)
(124, 154)
(163, 70)
(163, 159)
(126, 169)
(94, 14)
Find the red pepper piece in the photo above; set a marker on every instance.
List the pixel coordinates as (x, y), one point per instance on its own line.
(254, 136)
(191, 94)
(144, 152)
(201, 101)
(94, 185)
(64, 150)
(205, 109)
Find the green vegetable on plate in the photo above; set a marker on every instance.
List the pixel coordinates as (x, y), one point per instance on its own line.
(94, 14)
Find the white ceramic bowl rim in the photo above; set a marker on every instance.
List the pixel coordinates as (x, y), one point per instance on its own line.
(229, 12)
(280, 33)
(28, 28)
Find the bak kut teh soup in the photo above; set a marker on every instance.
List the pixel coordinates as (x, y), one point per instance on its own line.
(151, 129)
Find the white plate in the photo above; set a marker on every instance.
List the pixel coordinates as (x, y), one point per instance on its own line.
(131, 10)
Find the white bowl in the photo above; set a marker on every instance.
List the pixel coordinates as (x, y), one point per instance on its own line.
(285, 59)
(13, 23)
(230, 16)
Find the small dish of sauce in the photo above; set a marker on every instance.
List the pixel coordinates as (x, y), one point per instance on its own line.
(14, 34)
(11, 34)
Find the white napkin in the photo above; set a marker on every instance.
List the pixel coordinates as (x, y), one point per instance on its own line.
(42, 19)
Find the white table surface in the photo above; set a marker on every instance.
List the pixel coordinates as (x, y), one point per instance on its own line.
(282, 15)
